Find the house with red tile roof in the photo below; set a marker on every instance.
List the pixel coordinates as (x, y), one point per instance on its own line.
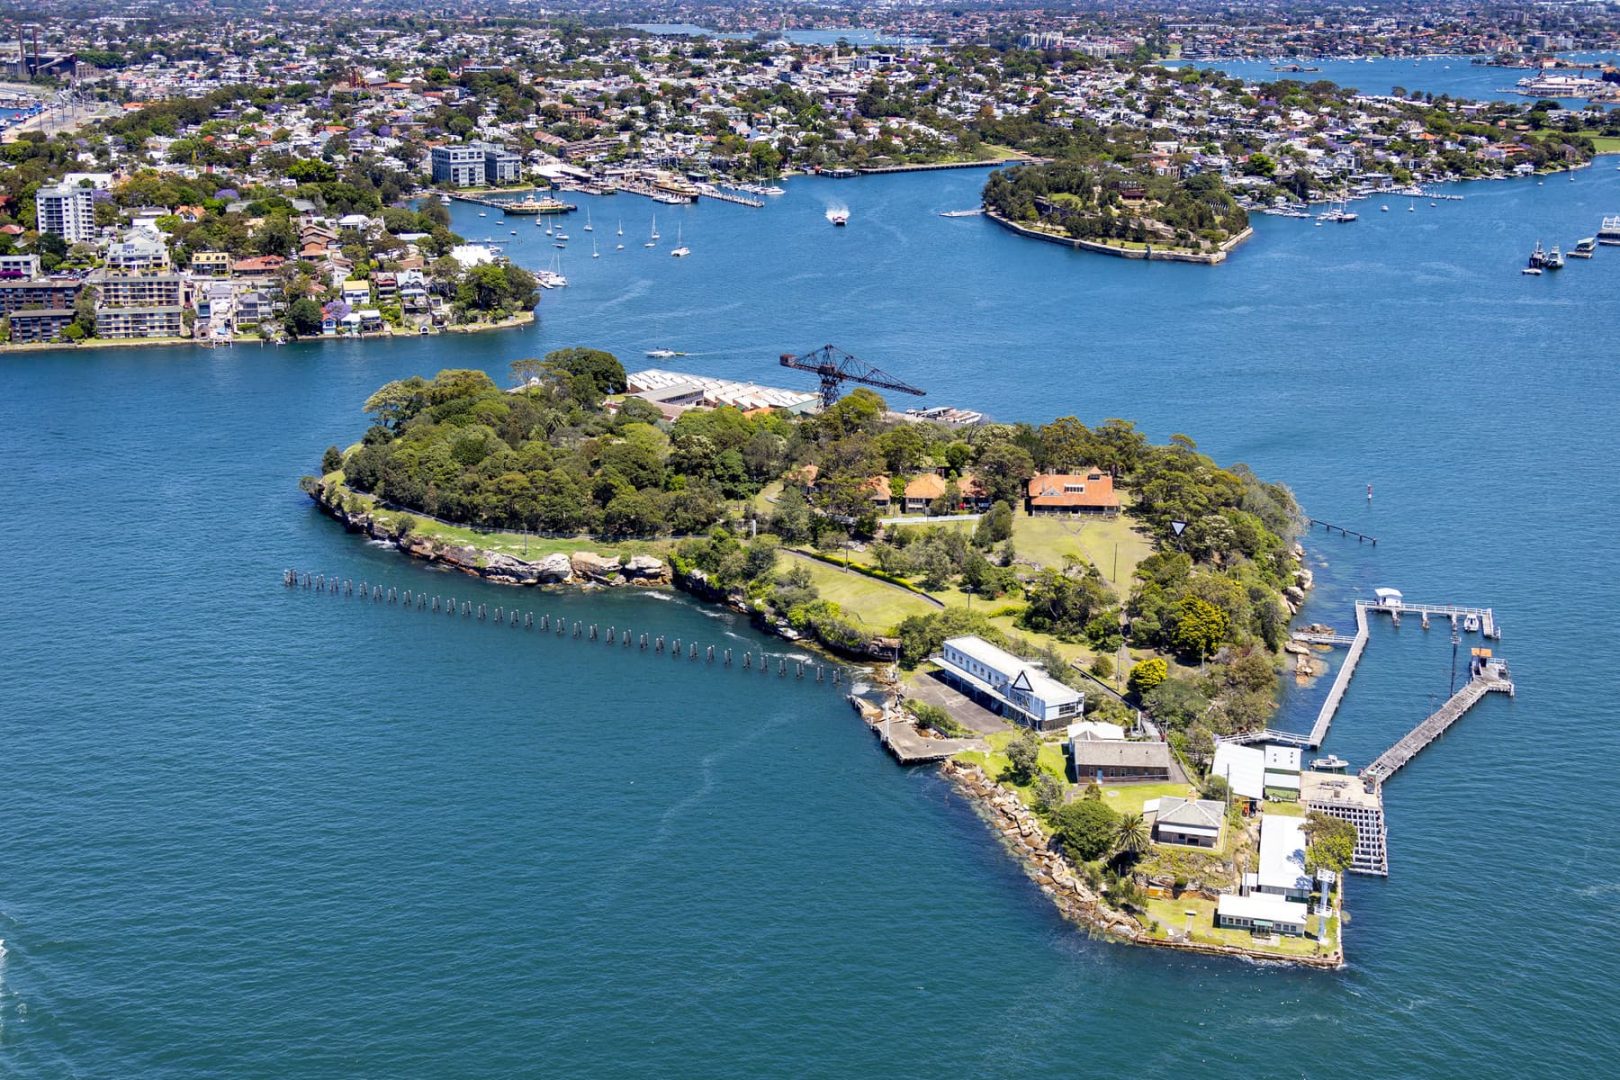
(1090, 492)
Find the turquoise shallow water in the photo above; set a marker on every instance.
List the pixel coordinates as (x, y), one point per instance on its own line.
(255, 834)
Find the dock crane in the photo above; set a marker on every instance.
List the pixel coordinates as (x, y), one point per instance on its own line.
(836, 367)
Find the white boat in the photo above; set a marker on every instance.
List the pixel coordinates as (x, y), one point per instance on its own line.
(483, 213)
(838, 217)
(1533, 271)
(1554, 260)
(621, 226)
(1385, 208)
(1471, 623)
(1584, 248)
(653, 240)
(1608, 233)
(588, 226)
(594, 253)
(662, 354)
(681, 251)
(445, 199)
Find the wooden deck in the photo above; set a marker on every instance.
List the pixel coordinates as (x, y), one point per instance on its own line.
(1414, 741)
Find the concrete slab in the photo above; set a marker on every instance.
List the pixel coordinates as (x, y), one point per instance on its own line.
(930, 687)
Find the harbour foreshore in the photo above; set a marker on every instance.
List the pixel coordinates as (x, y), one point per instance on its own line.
(1024, 837)
(524, 318)
(1207, 258)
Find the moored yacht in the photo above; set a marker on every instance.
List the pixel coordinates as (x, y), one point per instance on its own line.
(1584, 248)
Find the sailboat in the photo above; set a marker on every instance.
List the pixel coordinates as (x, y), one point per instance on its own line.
(653, 242)
(681, 250)
(621, 226)
(594, 253)
(588, 226)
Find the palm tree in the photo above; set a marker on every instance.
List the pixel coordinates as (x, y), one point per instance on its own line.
(1132, 836)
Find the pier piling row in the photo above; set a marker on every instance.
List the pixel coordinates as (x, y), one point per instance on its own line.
(420, 601)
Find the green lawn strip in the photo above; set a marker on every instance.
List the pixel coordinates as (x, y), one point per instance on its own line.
(875, 605)
(1603, 144)
(1285, 809)
(1128, 798)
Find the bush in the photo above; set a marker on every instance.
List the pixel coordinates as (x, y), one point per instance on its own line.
(1103, 666)
(1087, 828)
(1146, 675)
(937, 719)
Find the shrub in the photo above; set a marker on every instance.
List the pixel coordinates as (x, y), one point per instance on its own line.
(1146, 675)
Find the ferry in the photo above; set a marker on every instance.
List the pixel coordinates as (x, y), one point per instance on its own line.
(1609, 232)
(1584, 248)
(531, 205)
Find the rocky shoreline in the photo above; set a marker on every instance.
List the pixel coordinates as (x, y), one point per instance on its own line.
(578, 568)
(1027, 840)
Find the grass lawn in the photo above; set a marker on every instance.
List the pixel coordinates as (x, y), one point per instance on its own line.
(1172, 914)
(996, 762)
(1047, 540)
(1603, 144)
(1128, 798)
(1285, 809)
(875, 605)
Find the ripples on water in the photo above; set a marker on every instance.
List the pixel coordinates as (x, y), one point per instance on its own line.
(257, 833)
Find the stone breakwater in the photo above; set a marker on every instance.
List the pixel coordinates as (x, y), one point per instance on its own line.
(1037, 852)
(578, 568)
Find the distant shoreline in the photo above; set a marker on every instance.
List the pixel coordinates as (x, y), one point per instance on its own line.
(522, 319)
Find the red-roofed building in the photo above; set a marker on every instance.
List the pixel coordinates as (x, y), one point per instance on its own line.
(1090, 492)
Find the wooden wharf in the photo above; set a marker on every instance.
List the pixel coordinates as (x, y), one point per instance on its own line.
(1491, 677)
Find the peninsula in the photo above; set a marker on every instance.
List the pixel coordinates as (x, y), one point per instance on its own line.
(1136, 597)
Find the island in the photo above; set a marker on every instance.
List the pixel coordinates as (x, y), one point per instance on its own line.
(1067, 617)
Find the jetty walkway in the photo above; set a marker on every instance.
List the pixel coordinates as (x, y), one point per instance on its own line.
(1490, 677)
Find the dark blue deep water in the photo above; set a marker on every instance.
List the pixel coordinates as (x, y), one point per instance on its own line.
(257, 833)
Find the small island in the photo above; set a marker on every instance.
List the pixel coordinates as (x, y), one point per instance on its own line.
(1146, 588)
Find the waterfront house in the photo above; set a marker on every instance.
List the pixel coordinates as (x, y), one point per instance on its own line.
(1090, 492)
(1282, 859)
(1014, 687)
(1116, 761)
(1260, 913)
(1191, 822)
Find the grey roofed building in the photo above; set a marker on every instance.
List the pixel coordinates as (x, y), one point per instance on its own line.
(1188, 821)
(1112, 759)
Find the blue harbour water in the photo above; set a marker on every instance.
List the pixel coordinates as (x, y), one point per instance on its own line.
(1457, 76)
(259, 833)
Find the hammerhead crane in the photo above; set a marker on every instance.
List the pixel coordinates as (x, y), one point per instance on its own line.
(836, 367)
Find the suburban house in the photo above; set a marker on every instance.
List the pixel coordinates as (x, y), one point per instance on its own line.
(974, 496)
(1194, 822)
(1115, 760)
(1009, 685)
(1090, 492)
(1260, 913)
(922, 490)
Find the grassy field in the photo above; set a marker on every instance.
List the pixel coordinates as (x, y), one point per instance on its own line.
(1048, 540)
(875, 605)
(1603, 144)
(1128, 798)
